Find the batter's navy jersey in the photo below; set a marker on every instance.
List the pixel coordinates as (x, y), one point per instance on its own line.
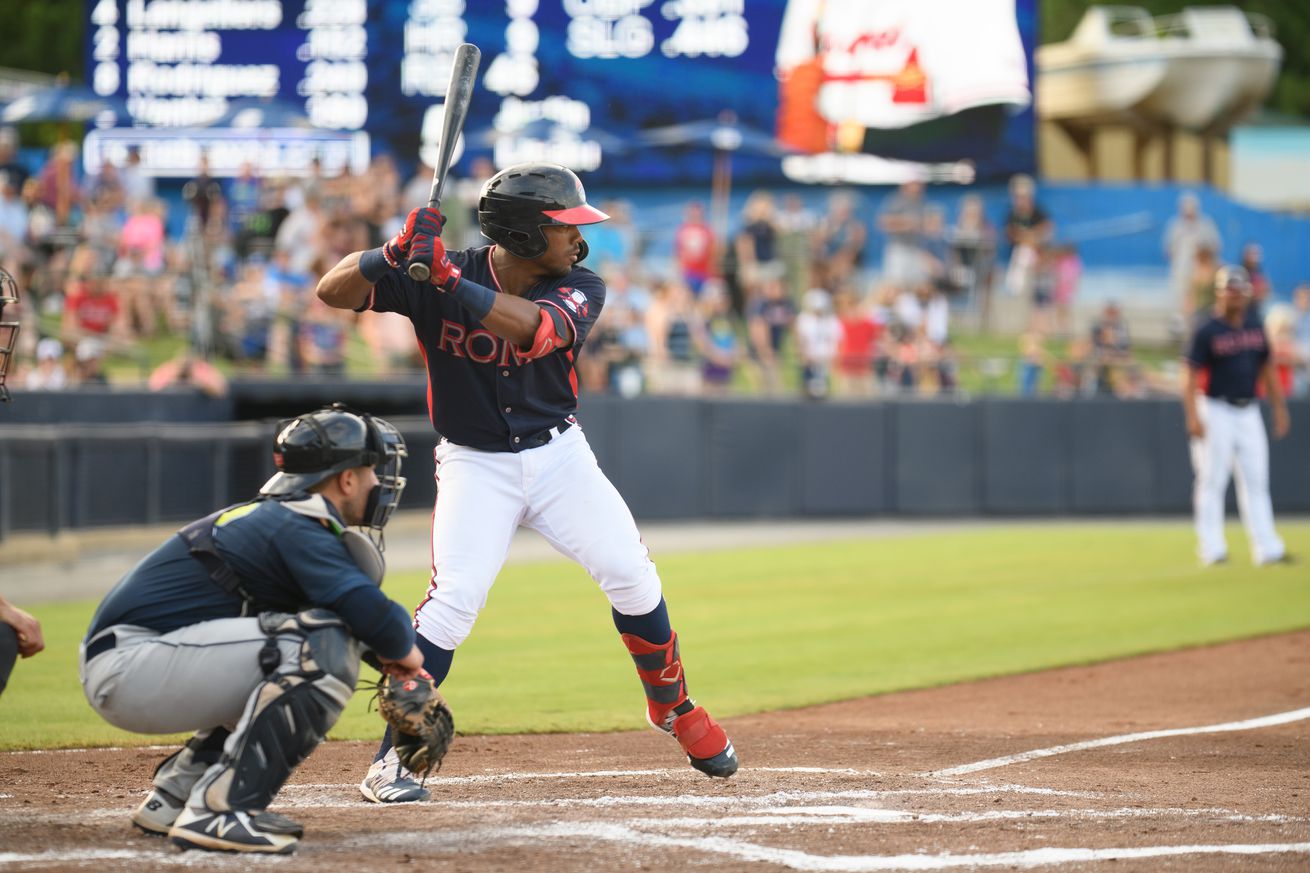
(482, 391)
(1232, 356)
(286, 561)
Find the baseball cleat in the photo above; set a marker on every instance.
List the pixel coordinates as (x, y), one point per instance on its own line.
(706, 743)
(389, 782)
(720, 766)
(157, 812)
(262, 832)
(274, 823)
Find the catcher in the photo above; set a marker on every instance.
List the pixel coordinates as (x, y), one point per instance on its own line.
(248, 626)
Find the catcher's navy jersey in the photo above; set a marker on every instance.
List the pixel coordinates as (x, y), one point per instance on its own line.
(286, 561)
(482, 391)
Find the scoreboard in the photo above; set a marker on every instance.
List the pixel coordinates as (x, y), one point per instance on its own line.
(579, 82)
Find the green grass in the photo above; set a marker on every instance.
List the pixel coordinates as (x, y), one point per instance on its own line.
(777, 628)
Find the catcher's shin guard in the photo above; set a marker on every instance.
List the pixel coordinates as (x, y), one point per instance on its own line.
(287, 715)
(669, 709)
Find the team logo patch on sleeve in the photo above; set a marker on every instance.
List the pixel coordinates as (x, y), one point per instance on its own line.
(576, 300)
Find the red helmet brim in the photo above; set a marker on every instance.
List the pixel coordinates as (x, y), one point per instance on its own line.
(575, 215)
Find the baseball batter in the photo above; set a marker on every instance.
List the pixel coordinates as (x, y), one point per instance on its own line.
(247, 627)
(1227, 358)
(500, 328)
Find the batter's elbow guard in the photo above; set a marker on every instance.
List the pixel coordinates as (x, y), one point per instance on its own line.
(551, 335)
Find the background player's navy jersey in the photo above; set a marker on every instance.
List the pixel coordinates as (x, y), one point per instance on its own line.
(481, 391)
(1232, 356)
(286, 561)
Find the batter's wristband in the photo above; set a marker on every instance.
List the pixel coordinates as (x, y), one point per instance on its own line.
(373, 265)
(477, 299)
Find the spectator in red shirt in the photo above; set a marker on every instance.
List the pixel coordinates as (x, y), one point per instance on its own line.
(857, 347)
(694, 246)
(91, 308)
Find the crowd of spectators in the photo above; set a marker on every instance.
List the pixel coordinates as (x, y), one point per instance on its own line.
(792, 302)
(1192, 244)
(789, 300)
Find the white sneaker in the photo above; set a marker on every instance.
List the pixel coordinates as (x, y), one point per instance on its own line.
(157, 812)
(388, 782)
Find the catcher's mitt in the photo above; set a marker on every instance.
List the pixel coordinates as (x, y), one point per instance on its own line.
(422, 725)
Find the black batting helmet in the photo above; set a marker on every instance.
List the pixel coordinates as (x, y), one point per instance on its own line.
(519, 201)
(321, 444)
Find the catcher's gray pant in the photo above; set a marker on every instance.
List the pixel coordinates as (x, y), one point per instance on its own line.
(278, 682)
(190, 679)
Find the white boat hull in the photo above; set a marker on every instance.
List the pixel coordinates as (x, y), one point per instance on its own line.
(1197, 90)
(1200, 70)
(1105, 89)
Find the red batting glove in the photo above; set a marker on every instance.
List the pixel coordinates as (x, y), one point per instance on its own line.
(428, 221)
(420, 220)
(430, 251)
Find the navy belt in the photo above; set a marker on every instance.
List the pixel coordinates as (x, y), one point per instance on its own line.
(540, 439)
(1239, 402)
(100, 645)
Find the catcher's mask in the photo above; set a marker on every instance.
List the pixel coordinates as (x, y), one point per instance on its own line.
(8, 329)
(519, 201)
(321, 444)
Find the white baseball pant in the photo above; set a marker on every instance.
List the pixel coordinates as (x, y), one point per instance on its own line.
(557, 489)
(1234, 441)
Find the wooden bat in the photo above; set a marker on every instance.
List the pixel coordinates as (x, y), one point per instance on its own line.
(459, 93)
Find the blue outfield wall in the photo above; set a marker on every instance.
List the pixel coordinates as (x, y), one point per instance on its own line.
(687, 459)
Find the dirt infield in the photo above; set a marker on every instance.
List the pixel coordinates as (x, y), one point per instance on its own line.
(965, 777)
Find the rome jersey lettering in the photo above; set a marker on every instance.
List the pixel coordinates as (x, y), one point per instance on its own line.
(482, 391)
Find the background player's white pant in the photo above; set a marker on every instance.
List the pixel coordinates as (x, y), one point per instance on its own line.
(1237, 437)
(557, 489)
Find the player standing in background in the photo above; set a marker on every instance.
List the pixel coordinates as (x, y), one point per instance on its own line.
(247, 627)
(500, 328)
(1228, 357)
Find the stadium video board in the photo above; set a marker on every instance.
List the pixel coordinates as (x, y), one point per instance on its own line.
(631, 91)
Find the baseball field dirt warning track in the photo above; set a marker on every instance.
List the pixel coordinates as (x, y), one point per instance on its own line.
(1190, 761)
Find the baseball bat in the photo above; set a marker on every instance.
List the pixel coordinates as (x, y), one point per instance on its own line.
(459, 93)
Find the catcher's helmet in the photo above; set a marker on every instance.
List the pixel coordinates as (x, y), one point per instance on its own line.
(520, 200)
(8, 329)
(1231, 278)
(321, 444)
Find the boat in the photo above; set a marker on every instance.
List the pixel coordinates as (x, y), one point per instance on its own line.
(1201, 69)
(1103, 71)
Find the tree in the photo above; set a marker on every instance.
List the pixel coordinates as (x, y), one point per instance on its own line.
(44, 36)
